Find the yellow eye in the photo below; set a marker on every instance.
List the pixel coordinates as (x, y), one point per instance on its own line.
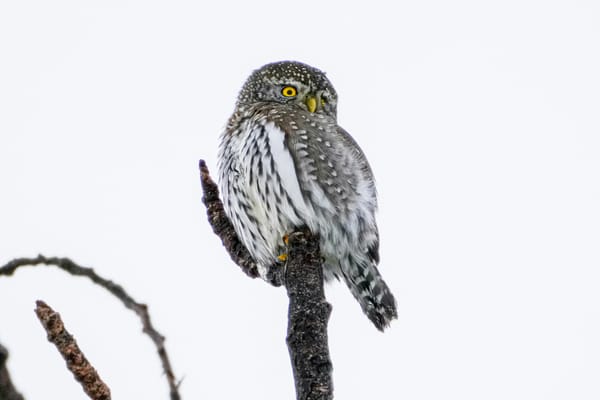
(289, 91)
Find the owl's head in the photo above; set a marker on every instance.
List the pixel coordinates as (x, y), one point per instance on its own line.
(291, 83)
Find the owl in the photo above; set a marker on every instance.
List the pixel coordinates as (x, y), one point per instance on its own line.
(284, 162)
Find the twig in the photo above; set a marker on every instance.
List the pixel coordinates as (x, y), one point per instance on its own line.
(308, 316)
(82, 370)
(140, 309)
(308, 310)
(7, 389)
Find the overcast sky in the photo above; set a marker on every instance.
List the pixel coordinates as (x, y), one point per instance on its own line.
(481, 122)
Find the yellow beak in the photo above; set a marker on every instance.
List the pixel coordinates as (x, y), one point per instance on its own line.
(311, 103)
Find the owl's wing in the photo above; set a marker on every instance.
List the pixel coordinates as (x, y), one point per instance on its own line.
(332, 169)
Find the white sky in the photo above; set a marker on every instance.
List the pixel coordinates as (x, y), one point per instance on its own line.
(480, 121)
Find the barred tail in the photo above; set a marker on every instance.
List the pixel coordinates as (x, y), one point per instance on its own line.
(371, 291)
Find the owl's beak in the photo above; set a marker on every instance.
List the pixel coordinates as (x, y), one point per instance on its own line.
(311, 103)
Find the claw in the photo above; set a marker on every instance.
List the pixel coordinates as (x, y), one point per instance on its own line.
(286, 238)
(282, 257)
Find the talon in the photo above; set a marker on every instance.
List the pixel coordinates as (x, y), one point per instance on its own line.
(282, 257)
(286, 238)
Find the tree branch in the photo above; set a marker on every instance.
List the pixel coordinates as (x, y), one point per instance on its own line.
(307, 318)
(140, 309)
(82, 370)
(7, 389)
(308, 311)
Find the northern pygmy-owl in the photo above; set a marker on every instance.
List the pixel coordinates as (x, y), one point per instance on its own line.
(284, 162)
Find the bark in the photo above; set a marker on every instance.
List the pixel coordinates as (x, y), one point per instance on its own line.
(77, 363)
(7, 389)
(307, 320)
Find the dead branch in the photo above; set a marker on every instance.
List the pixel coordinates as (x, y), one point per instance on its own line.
(82, 370)
(140, 309)
(307, 318)
(7, 389)
(308, 311)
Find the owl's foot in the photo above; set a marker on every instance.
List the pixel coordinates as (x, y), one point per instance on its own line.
(283, 257)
